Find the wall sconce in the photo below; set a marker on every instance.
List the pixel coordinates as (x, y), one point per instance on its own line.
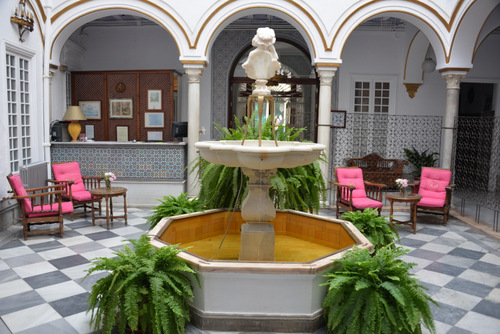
(429, 65)
(74, 114)
(23, 19)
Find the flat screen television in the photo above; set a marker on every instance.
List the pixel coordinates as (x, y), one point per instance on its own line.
(179, 130)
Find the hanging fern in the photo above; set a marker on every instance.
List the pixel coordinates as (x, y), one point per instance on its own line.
(146, 290)
(301, 188)
(376, 294)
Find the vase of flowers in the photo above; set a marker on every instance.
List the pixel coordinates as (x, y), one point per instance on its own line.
(402, 184)
(108, 178)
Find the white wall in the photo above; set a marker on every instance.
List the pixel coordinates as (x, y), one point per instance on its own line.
(134, 48)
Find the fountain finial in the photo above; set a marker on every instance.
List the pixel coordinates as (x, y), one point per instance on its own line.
(262, 62)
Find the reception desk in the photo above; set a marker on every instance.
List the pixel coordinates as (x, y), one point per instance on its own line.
(153, 169)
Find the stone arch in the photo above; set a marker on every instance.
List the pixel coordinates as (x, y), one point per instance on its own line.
(293, 13)
(432, 25)
(67, 20)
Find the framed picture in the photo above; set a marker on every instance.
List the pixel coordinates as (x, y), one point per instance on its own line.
(153, 119)
(91, 109)
(122, 133)
(154, 99)
(89, 131)
(121, 108)
(338, 119)
(155, 135)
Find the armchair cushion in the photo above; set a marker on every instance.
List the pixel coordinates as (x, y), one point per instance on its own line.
(366, 203)
(82, 195)
(66, 207)
(18, 187)
(432, 188)
(69, 172)
(352, 177)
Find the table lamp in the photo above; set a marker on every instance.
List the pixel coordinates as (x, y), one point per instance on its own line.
(74, 114)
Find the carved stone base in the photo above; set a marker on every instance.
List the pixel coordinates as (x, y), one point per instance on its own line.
(257, 242)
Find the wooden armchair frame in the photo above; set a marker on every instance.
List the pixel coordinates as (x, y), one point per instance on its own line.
(344, 194)
(439, 211)
(40, 206)
(90, 182)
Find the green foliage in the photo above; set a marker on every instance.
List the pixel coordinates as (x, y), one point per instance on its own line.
(420, 159)
(301, 188)
(377, 229)
(146, 290)
(173, 206)
(375, 294)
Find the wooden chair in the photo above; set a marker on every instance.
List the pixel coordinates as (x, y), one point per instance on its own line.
(77, 187)
(39, 206)
(435, 188)
(353, 193)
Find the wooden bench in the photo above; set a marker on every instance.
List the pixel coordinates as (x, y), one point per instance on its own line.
(379, 170)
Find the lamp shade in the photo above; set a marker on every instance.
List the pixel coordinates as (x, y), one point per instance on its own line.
(429, 65)
(74, 113)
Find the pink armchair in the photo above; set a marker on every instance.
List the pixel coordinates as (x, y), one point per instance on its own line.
(77, 187)
(39, 206)
(353, 193)
(435, 188)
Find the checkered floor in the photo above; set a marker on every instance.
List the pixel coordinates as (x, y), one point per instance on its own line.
(41, 287)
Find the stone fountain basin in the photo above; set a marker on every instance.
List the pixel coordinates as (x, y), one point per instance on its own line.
(268, 156)
(259, 296)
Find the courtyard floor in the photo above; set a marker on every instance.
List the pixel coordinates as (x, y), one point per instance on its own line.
(41, 287)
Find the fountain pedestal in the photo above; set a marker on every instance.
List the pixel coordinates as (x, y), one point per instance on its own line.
(257, 234)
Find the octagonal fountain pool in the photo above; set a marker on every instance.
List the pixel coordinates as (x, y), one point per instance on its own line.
(270, 296)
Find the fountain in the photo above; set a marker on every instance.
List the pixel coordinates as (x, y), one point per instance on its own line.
(256, 293)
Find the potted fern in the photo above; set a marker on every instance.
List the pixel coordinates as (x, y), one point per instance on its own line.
(173, 206)
(376, 228)
(146, 290)
(420, 159)
(301, 188)
(376, 294)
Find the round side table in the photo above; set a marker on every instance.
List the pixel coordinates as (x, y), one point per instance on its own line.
(411, 198)
(108, 194)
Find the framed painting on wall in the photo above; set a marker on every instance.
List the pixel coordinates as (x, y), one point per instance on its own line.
(122, 133)
(153, 120)
(121, 108)
(154, 99)
(91, 109)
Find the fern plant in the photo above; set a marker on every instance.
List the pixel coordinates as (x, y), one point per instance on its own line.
(145, 289)
(173, 206)
(377, 229)
(301, 188)
(376, 294)
(420, 159)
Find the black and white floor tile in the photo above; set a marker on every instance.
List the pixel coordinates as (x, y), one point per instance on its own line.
(41, 287)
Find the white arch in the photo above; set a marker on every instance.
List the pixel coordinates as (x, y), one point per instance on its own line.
(68, 19)
(428, 21)
(214, 22)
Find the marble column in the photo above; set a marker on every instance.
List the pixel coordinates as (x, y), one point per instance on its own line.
(47, 82)
(194, 75)
(324, 112)
(452, 103)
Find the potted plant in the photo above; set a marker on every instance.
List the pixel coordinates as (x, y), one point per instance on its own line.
(173, 206)
(301, 188)
(376, 228)
(146, 290)
(375, 294)
(420, 159)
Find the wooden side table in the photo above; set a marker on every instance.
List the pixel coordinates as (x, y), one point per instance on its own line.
(413, 199)
(108, 194)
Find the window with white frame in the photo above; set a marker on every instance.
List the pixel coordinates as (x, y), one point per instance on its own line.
(373, 95)
(18, 110)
